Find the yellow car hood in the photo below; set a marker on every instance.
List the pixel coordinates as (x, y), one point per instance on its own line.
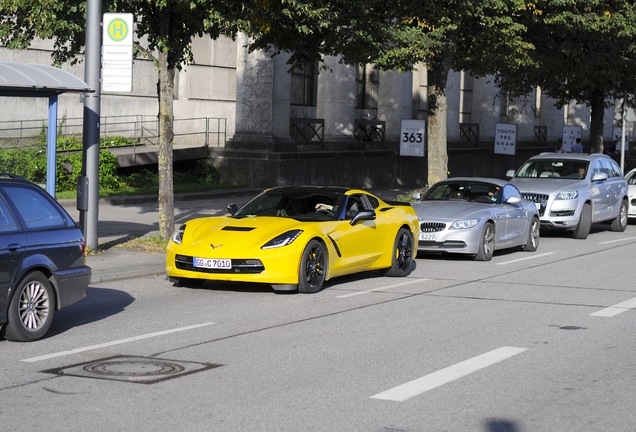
(229, 236)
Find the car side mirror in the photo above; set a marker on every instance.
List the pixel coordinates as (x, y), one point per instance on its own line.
(363, 216)
(599, 176)
(416, 196)
(232, 209)
(510, 173)
(513, 200)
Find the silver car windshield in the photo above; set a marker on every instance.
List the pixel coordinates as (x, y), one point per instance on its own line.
(464, 191)
(551, 168)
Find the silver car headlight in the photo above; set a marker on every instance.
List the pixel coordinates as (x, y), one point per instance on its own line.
(567, 195)
(464, 224)
(177, 237)
(282, 240)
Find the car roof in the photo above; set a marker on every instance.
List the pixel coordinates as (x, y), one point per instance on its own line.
(495, 181)
(14, 179)
(570, 156)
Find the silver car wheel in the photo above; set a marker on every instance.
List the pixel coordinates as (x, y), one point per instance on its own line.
(33, 306)
(31, 309)
(620, 223)
(487, 243)
(532, 244)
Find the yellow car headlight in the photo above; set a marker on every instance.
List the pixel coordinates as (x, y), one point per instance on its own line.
(177, 237)
(282, 240)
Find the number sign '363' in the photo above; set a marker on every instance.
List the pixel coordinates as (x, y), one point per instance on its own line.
(412, 138)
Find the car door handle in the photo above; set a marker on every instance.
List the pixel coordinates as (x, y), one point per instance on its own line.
(14, 247)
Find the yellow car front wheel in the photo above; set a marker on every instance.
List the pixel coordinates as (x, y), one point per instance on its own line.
(313, 268)
(402, 254)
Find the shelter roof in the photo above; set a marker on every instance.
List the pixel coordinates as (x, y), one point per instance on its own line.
(16, 79)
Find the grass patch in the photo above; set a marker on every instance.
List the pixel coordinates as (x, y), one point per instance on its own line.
(148, 243)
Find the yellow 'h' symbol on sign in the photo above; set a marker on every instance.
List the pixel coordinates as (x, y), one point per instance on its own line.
(117, 30)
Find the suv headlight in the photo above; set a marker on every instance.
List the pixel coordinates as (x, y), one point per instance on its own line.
(282, 240)
(464, 224)
(567, 195)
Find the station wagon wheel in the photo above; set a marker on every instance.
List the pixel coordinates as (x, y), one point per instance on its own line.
(585, 223)
(620, 223)
(533, 236)
(31, 309)
(313, 268)
(487, 243)
(402, 254)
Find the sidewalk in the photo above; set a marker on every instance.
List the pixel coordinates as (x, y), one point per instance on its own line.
(127, 217)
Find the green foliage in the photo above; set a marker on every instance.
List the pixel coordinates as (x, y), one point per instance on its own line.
(579, 47)
(29, 163)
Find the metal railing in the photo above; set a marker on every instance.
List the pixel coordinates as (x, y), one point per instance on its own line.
(144, 129)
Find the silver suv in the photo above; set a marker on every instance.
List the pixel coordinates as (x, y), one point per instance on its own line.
(574, 190)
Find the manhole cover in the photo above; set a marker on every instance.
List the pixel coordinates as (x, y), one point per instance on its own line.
(142, 370)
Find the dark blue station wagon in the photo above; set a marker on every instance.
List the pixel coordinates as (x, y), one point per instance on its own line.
(42, 259)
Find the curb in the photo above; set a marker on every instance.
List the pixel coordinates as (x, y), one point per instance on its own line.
(102, 276)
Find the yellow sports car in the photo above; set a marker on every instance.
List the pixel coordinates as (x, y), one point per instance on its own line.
(296, 238)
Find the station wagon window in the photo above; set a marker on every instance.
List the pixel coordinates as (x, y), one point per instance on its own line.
(34, 208)
(7, 222)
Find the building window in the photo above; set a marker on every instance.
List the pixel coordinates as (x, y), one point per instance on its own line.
(367, 80)
(304, 85)
(466, 98)
(505, 103)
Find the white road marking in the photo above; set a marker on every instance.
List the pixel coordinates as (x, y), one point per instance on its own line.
(357, 293)
(616, 309)
(618, 240)
(446, 375)
(533, 256)
(116, 342)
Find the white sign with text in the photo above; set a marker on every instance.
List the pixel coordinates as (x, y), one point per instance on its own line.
(505, 138)
(117, 52)
(412, 138)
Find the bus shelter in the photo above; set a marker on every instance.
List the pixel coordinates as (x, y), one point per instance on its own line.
(43, 81)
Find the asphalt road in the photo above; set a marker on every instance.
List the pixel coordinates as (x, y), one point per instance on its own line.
(527, 342)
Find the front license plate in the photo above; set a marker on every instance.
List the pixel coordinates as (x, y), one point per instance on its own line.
(212, 263)
(427, 236)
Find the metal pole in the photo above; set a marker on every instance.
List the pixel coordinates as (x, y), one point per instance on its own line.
(89, 218)
(51, 146)
(623, 114)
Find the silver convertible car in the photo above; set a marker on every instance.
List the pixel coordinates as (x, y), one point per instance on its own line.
(475, 216)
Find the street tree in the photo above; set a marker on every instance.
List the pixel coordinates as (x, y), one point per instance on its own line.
(584, 51)
(164, 30)
(481, 36)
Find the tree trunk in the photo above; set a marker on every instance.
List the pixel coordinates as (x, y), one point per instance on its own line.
(597, 122)
(166, 135)
(437, 112)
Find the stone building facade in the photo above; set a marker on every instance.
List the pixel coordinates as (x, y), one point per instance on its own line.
(338, 124)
